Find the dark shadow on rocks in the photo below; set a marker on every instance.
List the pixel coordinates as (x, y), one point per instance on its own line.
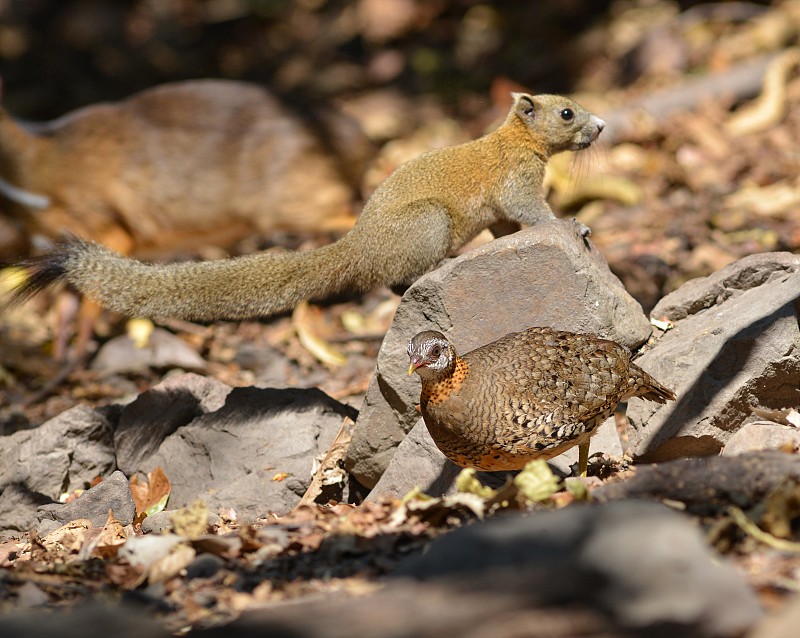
(243, 404)
(160, 411)
(91, 620)
(730, 360)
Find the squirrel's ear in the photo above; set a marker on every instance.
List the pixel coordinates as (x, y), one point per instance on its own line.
(524, 104)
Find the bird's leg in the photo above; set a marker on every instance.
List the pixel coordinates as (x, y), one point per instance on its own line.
(583, 458)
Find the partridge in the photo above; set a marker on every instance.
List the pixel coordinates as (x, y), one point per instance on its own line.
(529, 395)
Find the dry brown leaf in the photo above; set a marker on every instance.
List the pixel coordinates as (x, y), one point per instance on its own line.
(9, 552)
(774, 200)
(106, 542)
(330, 464)
(150, 496)
(123, 575)
(66, 543)
(228, 546)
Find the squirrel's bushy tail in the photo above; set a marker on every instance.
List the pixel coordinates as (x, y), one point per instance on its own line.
(251, 286)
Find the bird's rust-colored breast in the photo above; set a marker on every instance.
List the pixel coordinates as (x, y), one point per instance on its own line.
(436, 392)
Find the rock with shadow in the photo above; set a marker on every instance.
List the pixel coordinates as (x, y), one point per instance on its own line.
(160, 411)
(38, 465)
(735, 344)
(250, 448)
(706, 486)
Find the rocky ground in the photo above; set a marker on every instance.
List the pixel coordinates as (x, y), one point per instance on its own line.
(273, 477)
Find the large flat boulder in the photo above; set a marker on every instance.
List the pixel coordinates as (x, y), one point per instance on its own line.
(546, 275)
(641, 563)
(254, 453)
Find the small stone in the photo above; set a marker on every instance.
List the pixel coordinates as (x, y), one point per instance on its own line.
(113, 493)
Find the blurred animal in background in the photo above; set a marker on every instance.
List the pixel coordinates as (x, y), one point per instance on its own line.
(181, 165)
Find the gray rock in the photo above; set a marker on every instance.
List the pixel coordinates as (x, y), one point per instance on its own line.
(163, 350)
(158, 523)
(228, 447)
(204, 566)
(761, 435)
(645, 565)
(269, 366)
(158, 412)
(407, 609)
(229, 457)
(542, 276)
(735, 344)
(29, 595)
(734, 280)
(113, 493)
(419, 463)
(66, 452)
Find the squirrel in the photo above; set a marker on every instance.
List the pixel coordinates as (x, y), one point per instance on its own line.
(211, 161)
(426, 209)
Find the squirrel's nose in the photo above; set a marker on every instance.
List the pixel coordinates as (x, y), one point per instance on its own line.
(600, 125)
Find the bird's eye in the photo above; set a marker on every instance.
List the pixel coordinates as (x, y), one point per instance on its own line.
(567, 114)
(436, 351)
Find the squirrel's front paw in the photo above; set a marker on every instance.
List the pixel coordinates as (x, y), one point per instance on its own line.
(582, 229)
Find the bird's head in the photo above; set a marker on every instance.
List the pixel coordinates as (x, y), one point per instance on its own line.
(431, 355)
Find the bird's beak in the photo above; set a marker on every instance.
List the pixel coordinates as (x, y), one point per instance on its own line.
(415, 363)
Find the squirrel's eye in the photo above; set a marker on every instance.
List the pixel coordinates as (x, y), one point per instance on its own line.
(567, 114)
